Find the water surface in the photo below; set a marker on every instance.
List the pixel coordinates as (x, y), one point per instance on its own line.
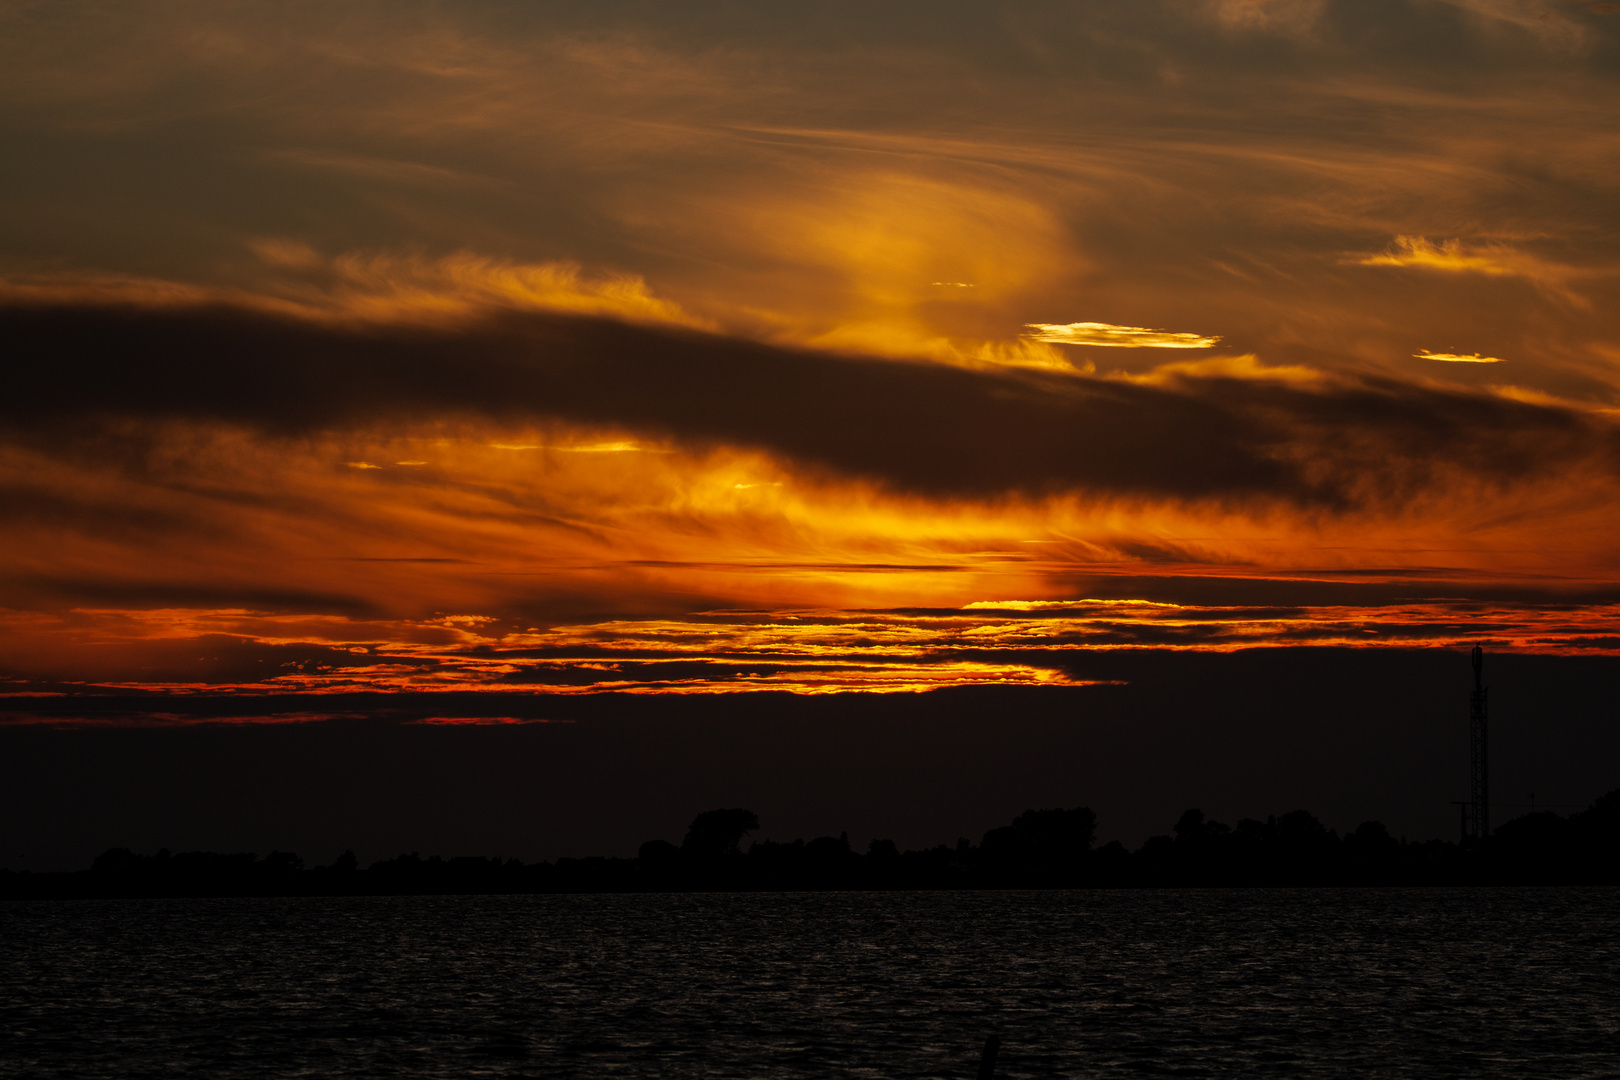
(1310, 983)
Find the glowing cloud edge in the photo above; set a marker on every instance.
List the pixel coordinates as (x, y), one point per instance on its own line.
(1457, 358)
(1109, 335)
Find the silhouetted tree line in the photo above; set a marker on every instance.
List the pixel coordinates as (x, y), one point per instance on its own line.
(1039, 849)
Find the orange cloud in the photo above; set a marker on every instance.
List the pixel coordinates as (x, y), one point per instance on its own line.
(1448, 255)
(890, 263)
(1457, 358)
(1243, 366)
(1119, 337)
(432, 575)
(807, 651)
(391, 287)
(375, 287)
(1451, 256)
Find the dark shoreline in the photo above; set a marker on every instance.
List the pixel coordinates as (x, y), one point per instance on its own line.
(23, 887)
(1041, 849)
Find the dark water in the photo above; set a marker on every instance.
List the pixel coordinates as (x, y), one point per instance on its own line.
(1506, 982)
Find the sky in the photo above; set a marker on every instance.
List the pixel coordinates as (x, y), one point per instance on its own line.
(494, 350)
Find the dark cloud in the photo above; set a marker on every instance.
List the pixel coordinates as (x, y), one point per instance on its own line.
(913, 427)
(103, 589)
(207, 659)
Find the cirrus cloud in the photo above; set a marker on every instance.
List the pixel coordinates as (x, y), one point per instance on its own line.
(1488, 260)
(1117, 337)
(1457, 358)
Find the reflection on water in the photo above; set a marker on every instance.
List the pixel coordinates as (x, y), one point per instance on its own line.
(1323, 983)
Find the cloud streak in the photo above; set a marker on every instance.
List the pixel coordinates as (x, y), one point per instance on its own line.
(1119, 337)
(1453, 257)
(808, 651)
(1457, 358)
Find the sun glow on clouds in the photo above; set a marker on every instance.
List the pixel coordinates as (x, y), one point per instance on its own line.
(603, 538)
(493, 496)
(807, 651)
(485, 528)
(1448, 255)
(1243, 366)
(388, 287)
(619, 446)
(1458, 358)
(506, 545)
(1058, 605)
(1117, 337)
(880, 262)
(375, 286)
(1487, 260)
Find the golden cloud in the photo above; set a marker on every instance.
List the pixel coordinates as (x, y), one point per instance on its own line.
(1449, 255)
(888, 262)
(380, 287)
(1242, 366)
(800, 650)
(390, 287)
(1118, 337)
(1491, 260)
(1457, 358)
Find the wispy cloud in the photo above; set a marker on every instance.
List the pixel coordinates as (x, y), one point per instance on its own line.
(1536, 18)
(1243, 366)
(1448, 255)
(1118, 337)
(1287, 16)
(617, 446)
(394, 287)
(1457, 358)
(802, 650)
(374, 286)
(382, 169)
(1488, 260)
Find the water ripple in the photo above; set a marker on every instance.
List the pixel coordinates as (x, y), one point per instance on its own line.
(1317, 983)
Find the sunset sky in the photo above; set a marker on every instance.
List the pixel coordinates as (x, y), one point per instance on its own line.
(713, 347)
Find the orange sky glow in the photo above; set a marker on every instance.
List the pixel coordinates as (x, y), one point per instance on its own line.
(424, 347)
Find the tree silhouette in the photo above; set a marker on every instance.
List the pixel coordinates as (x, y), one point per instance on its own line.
(1047, 844)
(1039, 848)
(715, 834)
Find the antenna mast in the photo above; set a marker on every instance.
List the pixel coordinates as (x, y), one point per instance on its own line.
(1479, 763)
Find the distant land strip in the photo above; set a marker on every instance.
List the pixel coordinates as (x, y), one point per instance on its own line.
(1039, 849)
